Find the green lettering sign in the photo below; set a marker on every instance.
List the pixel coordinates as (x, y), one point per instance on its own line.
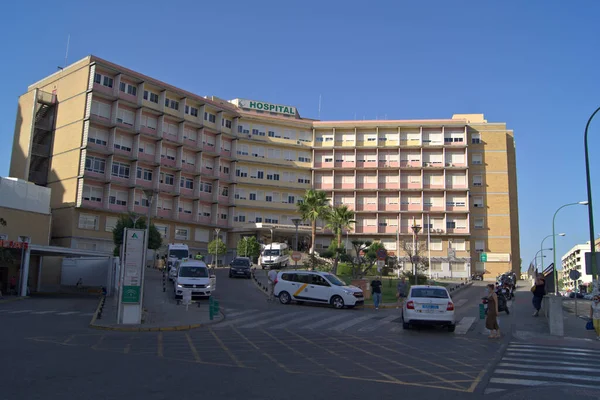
(263, 106)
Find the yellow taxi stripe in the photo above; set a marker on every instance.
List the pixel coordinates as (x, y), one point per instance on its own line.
(301, 289)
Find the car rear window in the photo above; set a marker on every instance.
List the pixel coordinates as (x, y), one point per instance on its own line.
(429, 293)
(241, 263)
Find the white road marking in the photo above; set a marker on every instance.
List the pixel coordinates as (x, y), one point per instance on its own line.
(68, 313)
(548, 367)
(536, 351)
(548, 375)
(269, 320)
(87, 314)
(326, 321)
(297, 321)
(235, 314)
(378, 324)
(464, 325)
(229, 322)
(529, 382)
(43, 312)
(568, 349)
(460, 302)
(353, 321)
(493, 390)
(537, 362)
(19, 311)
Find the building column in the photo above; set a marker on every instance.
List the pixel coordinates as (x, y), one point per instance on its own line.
(25, 273)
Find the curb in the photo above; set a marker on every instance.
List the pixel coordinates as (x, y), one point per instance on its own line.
(12, 300)
(185, 327)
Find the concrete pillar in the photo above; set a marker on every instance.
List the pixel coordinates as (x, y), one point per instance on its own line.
(39, 280)
(554, 314)
(25, 274)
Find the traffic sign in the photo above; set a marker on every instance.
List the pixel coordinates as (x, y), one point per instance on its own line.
(574, 274)
(381, 254)
(483, 257)
(296, 256)
(131, 294)
(380, 265)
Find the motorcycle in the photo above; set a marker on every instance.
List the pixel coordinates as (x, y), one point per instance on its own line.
(502, 302)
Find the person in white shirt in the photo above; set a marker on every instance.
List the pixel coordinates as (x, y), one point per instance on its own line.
(595, 314)
(271, 285)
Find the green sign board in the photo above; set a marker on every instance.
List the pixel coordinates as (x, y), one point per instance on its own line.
(483, 257)
(131, 294)
(268, 107)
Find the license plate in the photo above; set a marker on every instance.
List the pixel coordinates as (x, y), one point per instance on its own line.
(241, 272)
(430, 307)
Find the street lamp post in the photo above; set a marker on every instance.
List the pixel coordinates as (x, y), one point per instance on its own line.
(296, 222)
(415, 228)
(589, 201)
(150, 195)
(582, 203)
(536, 255)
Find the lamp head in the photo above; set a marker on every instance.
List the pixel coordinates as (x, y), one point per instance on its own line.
(583, 203)
(562, 234)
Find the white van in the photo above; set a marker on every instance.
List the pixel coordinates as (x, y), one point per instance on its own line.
(193, 275)
(176, 251)
(316, 287)
(274, 256)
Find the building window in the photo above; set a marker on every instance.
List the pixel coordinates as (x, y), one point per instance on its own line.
(163, 230)
(260, 174)
(119, 198)
(210, 117)
(100, 109)
(111, 223)
(146, 148)
(95, 164)
(173, 104)
(478, 201)
(207, 187)
(165, 204)
(125, 117)
(475, 138)
(167, 179)
(87, 221)
(103, 80)
(149, 122)
(253, 196)
(480, 245)
(92, 193)
(145, 174)
(186, 183)
(457, 244)
(123, 142)
(181, 233)
(227, 123)
(477, 159)
(457, 266)
(436, 244)
(223, 216)
(269, 198)
(127, 88)
(225, 191)
(479, 223)
(120, 170)
(272, 176)
(98, 136)
(141, 199)
(150, 96)
(477, 180)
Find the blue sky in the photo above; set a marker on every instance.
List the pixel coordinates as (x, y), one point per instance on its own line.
(531, 64)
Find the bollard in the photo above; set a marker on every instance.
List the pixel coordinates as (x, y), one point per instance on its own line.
(164, 289)
(481, 311)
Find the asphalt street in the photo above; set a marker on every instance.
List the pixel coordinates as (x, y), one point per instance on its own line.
(261, 351)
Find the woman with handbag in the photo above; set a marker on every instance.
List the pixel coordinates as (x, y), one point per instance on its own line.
(491, 319)
(595, 315)
(539, 291)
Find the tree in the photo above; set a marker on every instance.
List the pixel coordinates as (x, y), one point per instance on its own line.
(339, 219)
(217, 247)
(416, 256)
(364, 262)
(126, 221)
(6, 255)
(248, 247)
(314, 207)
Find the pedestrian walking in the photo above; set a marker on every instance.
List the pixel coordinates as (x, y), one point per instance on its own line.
(539, 291)
(271, 276)
(376, 290)
(595, 315)
(401, 291)
(491, 319)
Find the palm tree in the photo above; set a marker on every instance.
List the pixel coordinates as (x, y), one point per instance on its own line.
(339, 219)
(315, 206)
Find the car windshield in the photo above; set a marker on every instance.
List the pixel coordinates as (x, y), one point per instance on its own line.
(240, 263)
(193, 272)
(271, 253)
(179, 254)
(429, 293)
(334, 280)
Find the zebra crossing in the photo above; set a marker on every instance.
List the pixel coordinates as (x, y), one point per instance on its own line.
(529, 365)
(8, 312)
(339, 321)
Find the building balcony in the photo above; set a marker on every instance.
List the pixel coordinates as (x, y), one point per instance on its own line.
(190, 143)
(207, 172)
(324, 144)
(455, 144)
(144, 183)
(119, 180)
(209, 147)
(433, 186)
(203, 220)
(366, 207)
(457, 230)
(163, 187)
(319, 164)
(223, 199)
(95, 175)
(389, 164)
(323, 186)
(344, 164)
(389, 207)
(167, 162)
(389, 185)
(170, 138)
(410, 143)
(405, 185)
(344, 185)
(93, 147)
(191, 168)
(457, 208)
(450, 164)
(455, 186)
(410, 164)
(186, 192)
(363, 185)
(366, 143)
(204, 196)
(223, 223)
(389, 143)
(142, 210)
(104, 89)
(432, 143)
(411, 207)
(433, 208)
(366, 229)
(387, 229)
(92, 204)
(128, 97)
(123, 153)
(225, 153)
(100, 120)
(149, 132)
(164, 213)
(433, 164)
(117, 208)
(223, 175)
(366, 164)
(183, 216)
(150, 158)
(125, 126)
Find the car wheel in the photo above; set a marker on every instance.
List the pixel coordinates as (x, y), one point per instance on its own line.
(405, 325)
(451, 328)
(337, 302)
(285, 298)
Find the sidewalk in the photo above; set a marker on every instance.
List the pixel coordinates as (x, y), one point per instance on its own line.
(161, 311)
(262, 280)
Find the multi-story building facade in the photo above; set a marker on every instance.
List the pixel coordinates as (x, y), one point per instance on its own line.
(104, 137)
(574, 259)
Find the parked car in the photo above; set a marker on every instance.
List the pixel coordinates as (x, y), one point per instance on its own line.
(573, 295)
(316, 287)
(240, 266)
(193, 275)
(428, 305)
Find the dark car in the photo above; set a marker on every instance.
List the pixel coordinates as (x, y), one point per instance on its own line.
(573, 295)
(240, 266)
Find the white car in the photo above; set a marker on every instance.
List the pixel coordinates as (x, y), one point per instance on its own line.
(193, 275)
(428, 305)
(316, 287)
